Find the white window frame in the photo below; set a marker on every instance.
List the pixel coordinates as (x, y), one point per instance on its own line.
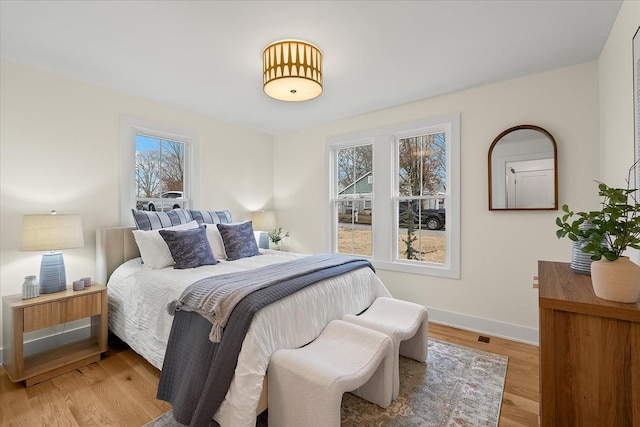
(334, 188)
(385, 216)
(128, 128)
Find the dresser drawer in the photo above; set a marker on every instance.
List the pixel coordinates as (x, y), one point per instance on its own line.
(56, 312)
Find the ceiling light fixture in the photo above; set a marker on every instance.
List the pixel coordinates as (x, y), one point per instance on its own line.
(292, 70)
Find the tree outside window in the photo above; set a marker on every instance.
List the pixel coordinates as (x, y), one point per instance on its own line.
(159, 173)
(421, 197)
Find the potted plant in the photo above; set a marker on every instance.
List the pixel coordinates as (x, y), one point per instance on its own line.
(612, 229)
(275, 236)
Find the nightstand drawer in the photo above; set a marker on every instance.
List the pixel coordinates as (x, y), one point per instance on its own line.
(56, 312)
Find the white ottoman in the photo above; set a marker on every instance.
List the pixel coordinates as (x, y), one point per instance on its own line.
(306, 384)
(407, 325)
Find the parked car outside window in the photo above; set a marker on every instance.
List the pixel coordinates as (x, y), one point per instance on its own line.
(434, 219)
(173, 200)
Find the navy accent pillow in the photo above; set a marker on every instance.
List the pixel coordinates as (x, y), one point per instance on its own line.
(189, 248)
(239, 240)
(151, 220)
(211, 217)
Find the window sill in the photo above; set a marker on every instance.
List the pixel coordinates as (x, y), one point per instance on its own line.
(436, 270)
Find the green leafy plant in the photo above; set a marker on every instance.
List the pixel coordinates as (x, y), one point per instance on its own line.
(613, 229)
(276, 235)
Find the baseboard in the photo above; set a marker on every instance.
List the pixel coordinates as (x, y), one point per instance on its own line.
(485, 326)
(56, 339)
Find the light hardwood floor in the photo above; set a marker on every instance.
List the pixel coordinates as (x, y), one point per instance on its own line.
(120, 389)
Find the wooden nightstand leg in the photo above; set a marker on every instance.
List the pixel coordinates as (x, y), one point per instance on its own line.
(15, 366)
(99, 324)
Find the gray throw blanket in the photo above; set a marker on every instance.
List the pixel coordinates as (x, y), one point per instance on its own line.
(196, 373)
(214, 298)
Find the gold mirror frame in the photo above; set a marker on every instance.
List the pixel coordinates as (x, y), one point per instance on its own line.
(503, 206)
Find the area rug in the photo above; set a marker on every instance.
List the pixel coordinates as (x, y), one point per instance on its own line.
(458, 386)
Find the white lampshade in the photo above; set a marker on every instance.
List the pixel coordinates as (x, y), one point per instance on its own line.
(52, 233)
(263, 220)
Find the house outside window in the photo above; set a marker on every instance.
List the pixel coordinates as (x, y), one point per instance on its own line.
(353, 201)
(409, 220)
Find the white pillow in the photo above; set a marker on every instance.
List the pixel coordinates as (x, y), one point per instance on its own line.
(153, 249)
(215, 241)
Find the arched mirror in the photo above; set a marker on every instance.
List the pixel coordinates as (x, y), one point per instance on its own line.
(523, 170)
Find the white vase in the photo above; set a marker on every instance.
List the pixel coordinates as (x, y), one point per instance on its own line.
(30, 287)
(617, 280)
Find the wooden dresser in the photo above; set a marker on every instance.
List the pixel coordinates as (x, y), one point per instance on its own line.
(589, 353)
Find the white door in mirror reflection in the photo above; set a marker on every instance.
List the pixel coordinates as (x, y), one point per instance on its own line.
(529, 184)
(523, 170)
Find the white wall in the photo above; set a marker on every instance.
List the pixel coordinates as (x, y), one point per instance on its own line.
(500, 250)
(616, 100)
(616, 97)
(59, 150)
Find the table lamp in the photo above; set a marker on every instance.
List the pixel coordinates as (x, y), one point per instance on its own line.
(263, 221)
(52, 233)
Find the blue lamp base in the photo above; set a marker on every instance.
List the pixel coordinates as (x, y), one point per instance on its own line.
(53, 277)
(263, 243)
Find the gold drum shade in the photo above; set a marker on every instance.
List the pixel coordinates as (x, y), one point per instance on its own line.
(292, 70)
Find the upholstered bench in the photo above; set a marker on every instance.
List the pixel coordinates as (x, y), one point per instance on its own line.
(403, 321)
(306, 384)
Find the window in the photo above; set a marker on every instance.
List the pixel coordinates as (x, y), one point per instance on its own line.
(353, 199)
(158, 165)
(394, 196)
(420, 197)
(159, 175)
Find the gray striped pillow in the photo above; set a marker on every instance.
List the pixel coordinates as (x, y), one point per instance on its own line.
(151, 220)
(211, 217)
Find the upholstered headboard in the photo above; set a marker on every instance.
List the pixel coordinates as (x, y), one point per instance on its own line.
(117, 245)
(114, 246)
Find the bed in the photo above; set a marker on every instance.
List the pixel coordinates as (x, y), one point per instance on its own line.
(139, 296)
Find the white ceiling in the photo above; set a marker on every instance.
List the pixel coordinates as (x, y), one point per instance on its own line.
(206, 56)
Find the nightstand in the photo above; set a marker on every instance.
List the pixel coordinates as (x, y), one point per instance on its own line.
(27, 315)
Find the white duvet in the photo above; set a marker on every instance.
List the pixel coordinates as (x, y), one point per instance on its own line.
(138, 299)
